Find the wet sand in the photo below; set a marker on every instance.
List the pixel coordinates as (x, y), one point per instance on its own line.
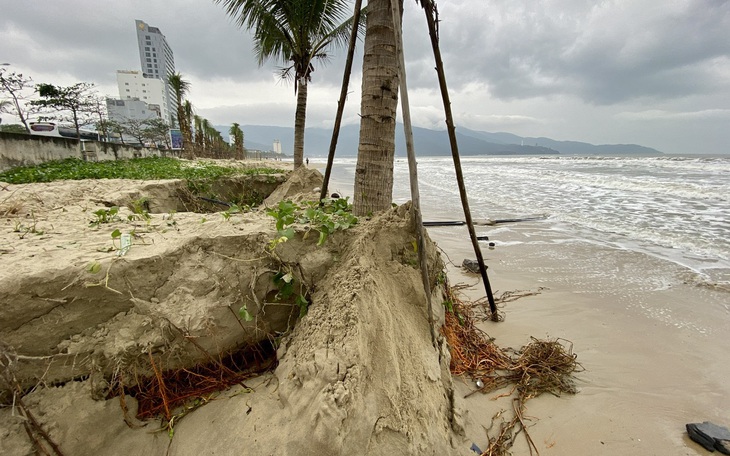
(654, 358)
(650, 334)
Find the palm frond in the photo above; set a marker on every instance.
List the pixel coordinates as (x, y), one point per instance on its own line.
(293, 32)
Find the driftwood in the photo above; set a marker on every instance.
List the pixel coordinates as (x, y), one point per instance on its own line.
(484, 222)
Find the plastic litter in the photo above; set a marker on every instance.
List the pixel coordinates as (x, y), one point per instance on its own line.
(126, 244)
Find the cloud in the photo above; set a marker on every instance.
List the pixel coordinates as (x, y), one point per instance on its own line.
(608, 71)
(655, 114)
(605, 53)
(271, 102)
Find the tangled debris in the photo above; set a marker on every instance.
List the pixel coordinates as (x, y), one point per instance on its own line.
(542, 366)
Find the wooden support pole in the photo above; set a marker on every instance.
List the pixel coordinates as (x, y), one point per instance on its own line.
(412, 166)
(341, 103)
(428, 8)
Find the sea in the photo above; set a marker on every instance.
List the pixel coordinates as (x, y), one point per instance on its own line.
(675, 208)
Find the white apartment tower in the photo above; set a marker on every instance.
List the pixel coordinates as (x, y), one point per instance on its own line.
(134, 86)
(157, 61)
(131, 109)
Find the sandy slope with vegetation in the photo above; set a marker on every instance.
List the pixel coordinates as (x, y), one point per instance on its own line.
(357, 375)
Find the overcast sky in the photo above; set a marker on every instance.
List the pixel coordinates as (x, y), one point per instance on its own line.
(650, 72)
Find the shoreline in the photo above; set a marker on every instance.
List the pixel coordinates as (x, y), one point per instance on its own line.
(651, 340)
(652, 360)
(644, 378)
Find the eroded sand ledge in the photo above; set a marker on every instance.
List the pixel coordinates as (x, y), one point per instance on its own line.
(357, 375)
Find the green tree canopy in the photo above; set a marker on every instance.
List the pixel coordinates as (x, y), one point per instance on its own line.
(14, 91)
(76, 104)
(13, 128)
(296, 33)
(237, 135)
(181, 87)
(157, 131)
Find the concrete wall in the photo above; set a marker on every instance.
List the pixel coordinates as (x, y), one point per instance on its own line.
(23, 150)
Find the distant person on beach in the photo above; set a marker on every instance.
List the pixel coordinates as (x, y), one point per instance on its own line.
(307, 160)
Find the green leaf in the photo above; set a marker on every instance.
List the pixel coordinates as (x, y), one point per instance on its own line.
(303, 305)
(243, 313)
(116, 234)
(288, 233)
(310, 213)
(94, 267)
(449, 305)
(322, 237)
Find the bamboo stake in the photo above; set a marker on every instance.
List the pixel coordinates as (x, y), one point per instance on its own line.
(428, 7)
(412, 165)
(341, 102)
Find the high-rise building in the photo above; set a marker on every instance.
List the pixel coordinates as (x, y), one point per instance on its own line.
(131, 109)
(134, 85)
(157, 61)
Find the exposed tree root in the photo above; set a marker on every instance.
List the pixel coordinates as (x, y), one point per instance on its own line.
(160, 394)
(542, 366)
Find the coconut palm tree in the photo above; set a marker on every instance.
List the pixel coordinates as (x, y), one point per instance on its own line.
(295, 32)
(207, 137)
(373, 190)
(180, 88)
(237, 135)
(199, 142)
(215, 141)
(188, 119)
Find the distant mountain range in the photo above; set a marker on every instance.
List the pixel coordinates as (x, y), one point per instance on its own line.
(430, 142)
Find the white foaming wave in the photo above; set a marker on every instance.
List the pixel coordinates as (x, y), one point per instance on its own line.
(703, 163)
(542, 179)
(683, 219)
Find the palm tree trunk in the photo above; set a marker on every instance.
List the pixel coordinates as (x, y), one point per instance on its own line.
(299, 123)
(184, 124)
(374, 170)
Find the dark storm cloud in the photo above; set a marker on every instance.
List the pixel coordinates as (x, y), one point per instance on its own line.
(209, 45)
(603, 53)
(608, 70)
(35, 36)
(91, 40)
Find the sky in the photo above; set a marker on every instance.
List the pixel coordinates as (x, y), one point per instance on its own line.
(648, 72)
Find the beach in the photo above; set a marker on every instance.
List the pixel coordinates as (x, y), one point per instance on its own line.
(648, 330)
(651, 334)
